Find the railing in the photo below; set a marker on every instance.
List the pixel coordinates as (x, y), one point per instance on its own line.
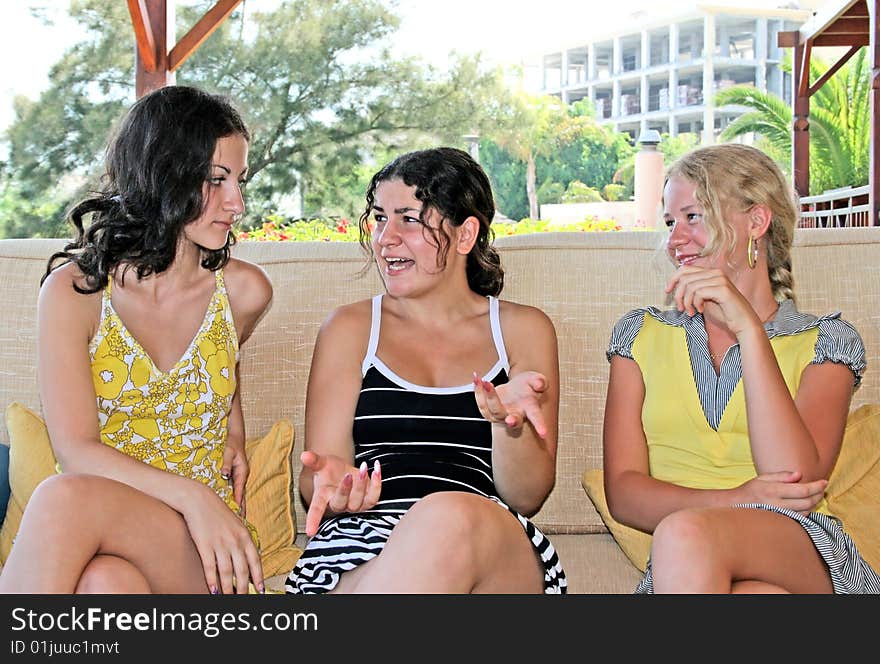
(837, 208)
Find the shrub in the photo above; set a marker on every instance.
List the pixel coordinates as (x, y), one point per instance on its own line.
(613, 192)
(276, 229)
(578, 192)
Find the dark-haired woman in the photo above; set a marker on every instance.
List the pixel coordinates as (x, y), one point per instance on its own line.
(431, 413)
(140, 320)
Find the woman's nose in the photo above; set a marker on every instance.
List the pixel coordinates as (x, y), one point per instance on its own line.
(677, 234)
(234, 200)
(389, 234)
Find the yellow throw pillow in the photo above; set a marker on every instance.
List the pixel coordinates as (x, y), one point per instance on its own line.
(267, 494)
(267, 497)
(853, 492)
(634, 543)
(31, 460)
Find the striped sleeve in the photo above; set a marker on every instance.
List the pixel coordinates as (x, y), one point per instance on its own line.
(838, 341)
(624, 334)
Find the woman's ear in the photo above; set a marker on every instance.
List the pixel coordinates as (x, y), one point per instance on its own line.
(760, 217)
(467, 235)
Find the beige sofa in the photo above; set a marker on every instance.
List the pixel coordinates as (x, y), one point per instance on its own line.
(584, 281)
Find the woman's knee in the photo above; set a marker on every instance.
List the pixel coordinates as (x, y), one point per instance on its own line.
(62, 494)
(450, 516)
(683, 535)
(107, 574)
(459, 528)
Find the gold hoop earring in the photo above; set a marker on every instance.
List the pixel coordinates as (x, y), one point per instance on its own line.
(752, 252)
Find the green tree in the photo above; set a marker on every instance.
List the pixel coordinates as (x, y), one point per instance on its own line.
(527, 127)
(839, 123)
(556, 144)
(507, 174)
(314, 79)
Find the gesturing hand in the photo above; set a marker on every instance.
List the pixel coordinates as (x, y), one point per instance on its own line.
(783, 489)
(513, 402)
(339, 487)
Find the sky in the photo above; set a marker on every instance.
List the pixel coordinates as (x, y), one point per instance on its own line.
(506, 31)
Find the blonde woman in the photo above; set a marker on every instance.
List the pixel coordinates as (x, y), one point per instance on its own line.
(725, 415)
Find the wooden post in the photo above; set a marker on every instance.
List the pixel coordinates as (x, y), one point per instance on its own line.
(874, 112)
(800, 121)
(153, 22)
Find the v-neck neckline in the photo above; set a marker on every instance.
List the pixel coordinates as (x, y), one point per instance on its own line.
(187, 353)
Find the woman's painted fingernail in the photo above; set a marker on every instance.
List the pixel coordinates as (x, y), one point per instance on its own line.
(376, 467)
(362, 471)
(346, 481)
(214, 590)
(262, 589)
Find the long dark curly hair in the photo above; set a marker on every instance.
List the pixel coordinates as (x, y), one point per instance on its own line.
(156, 165)
(453, 183)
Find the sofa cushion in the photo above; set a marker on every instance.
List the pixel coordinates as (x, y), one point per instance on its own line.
(635, 544)
(30, 462)
(853, 492)
(267, 497)
(267, 494)
(4, 480)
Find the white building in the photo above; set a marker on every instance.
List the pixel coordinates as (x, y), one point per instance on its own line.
(662, 72)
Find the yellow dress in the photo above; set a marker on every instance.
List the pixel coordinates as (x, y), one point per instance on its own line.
(175, 420)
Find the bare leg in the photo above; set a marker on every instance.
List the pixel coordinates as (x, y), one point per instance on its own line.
(111, 575)
(72, 520)
(452, 542)
(719, 550)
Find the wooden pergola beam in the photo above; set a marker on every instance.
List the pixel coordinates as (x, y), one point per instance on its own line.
(840, 40)
(155, 19)
(153, 23)
(800, 122)
(200, 32)
(852, 23)
(143, 33)
(874, 111)
(827, 16)
(832, 70)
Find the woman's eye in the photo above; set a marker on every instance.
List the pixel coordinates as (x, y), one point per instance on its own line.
(217, 181)
(379, 218)
(412, 220)
(694, 217)
(669, 223)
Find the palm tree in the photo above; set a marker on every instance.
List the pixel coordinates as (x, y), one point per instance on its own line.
(839, 130)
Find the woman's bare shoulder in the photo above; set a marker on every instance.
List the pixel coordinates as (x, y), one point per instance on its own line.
(344, 336)
(248, 285)
(59, 299)
(350, 318)
(523, 319)
(61, 284)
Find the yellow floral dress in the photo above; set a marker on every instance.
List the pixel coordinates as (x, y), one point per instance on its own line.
(175, 420)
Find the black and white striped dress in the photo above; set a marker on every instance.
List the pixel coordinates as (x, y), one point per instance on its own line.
(427, 439)
(836, 341)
